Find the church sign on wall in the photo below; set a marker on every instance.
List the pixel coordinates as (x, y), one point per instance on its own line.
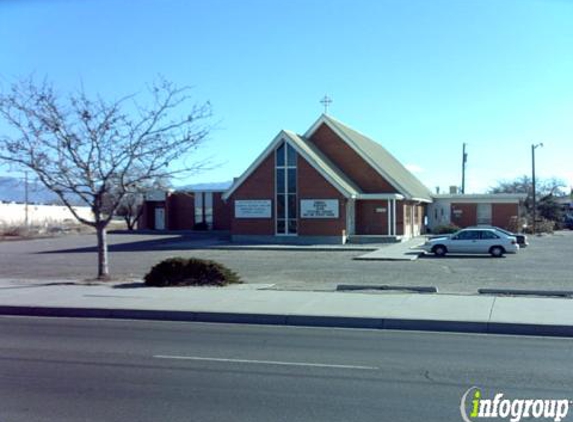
(258, 208)
(319, 208)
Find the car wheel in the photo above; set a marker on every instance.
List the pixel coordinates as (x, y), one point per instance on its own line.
(497, 251)
(440, 250)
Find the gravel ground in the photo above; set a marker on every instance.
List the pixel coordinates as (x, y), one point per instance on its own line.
(546, 264)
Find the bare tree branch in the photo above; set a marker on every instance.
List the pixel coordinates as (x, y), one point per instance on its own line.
(100, 152)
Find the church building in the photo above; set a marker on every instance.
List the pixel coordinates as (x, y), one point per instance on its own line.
(330, 185)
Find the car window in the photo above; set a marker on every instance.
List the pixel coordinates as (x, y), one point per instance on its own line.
(489, 235)
(467, 235)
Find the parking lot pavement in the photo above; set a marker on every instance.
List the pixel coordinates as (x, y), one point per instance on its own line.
(545, 264)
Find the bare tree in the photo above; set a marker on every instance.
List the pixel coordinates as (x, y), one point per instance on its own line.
(523, 184)
(130, 207)
(83, 148)
(547, 190)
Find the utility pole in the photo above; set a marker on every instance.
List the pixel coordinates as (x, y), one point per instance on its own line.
(464, 161)
(26, 220)
(533, 147)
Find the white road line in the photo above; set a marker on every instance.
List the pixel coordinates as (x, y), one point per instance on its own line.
(268, 362)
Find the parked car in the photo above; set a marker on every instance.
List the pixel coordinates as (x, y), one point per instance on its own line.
(522, 240)
(473, 241)
(568, 221)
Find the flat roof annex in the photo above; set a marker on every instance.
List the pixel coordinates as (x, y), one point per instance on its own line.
(493, 198)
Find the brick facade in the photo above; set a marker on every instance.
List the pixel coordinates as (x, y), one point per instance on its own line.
(312, 185)
(222, 212)
(502, 214)
(463, 215)
(370, 215)
(369, 221)
(147, 219)
(259, 185)
(181, 211)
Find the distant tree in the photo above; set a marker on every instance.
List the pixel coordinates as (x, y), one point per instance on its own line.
(547, 190)
(520, 184)
(89, 148)
(130, 207)
(550, 209)
(523, 184)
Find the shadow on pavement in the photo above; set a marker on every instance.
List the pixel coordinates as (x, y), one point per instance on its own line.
(182, 241)
(466, 256)
(28, 286)
(134, 285)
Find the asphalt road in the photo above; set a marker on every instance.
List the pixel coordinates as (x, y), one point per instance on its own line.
(89, 370)
(545, 264)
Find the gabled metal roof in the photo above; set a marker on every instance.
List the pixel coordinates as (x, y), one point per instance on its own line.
(324, 166)
(378, 158)
(373, 153)
(312, 155)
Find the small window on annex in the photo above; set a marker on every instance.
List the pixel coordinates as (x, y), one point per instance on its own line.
(204, 208)
(286, 190)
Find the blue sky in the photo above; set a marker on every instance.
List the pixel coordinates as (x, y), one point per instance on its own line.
(419, 76)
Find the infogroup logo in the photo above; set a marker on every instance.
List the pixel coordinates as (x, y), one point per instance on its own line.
(474, 406)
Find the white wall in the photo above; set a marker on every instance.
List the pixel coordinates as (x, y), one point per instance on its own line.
(439, 213)
(15, 214)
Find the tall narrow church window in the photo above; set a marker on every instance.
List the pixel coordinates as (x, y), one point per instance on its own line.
(286, 189)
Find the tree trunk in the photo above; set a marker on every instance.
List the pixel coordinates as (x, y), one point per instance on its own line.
(129, 222)
(136, 217)
(102, 261)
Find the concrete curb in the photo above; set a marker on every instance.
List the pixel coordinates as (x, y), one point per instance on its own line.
(296, 320)
(294, 248)
(522, 292)
(385, 287)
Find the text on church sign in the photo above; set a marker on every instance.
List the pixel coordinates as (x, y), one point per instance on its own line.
(319, 208)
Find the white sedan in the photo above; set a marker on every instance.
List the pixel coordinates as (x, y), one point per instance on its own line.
(473, 241)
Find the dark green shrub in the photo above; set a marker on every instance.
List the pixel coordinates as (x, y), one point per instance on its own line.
(201, 226)
(190, 272)
(446, 229)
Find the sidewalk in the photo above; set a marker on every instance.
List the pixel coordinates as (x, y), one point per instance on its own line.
(248, 303)
(349, 247)
(402, 251)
